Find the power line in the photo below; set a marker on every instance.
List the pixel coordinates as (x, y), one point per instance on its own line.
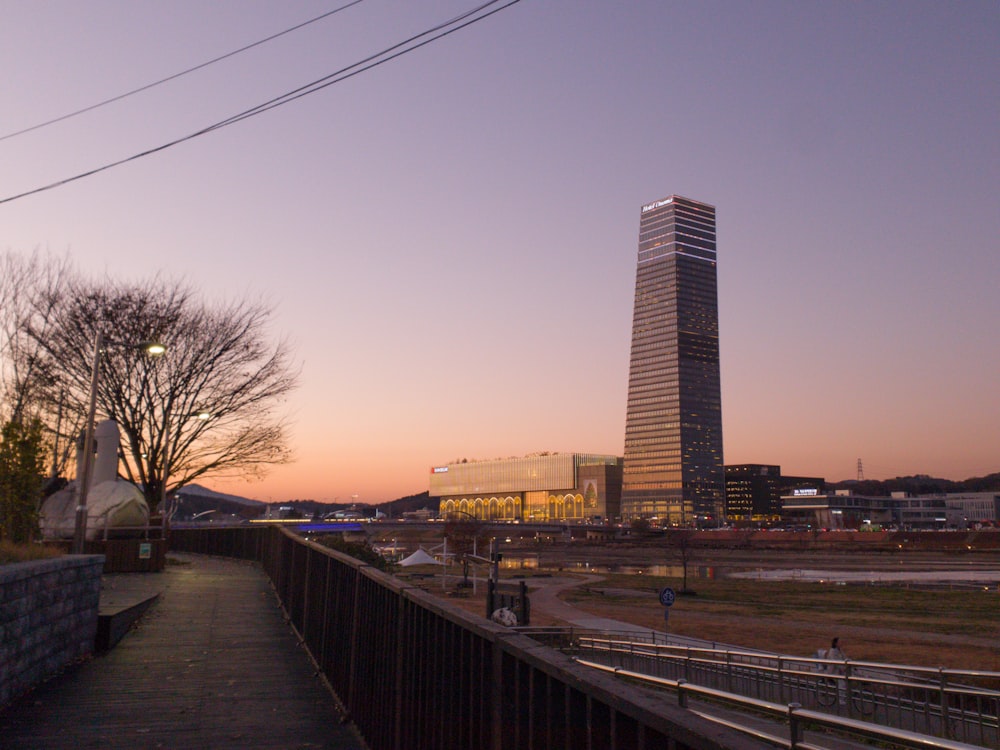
(178, 75)
(367, 63)
(435, 33)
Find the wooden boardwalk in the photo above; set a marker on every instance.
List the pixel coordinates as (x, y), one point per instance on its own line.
(212, 665)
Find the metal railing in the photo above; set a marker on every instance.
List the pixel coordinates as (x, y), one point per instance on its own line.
(799, 719)
(952, 704)
(413, 671)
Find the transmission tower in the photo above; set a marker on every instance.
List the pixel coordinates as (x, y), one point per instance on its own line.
(861, 471)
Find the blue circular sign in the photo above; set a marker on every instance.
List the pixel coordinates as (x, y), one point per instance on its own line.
(667, 596)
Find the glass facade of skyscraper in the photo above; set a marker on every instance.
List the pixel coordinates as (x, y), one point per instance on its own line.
(673, 467)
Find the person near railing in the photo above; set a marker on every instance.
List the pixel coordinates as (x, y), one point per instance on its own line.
(836, 654)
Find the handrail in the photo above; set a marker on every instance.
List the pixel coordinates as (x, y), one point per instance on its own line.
(413, 670)
(795, 715)
(872, 691)
(932, 672)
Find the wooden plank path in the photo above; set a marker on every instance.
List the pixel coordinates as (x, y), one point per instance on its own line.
(213, 664)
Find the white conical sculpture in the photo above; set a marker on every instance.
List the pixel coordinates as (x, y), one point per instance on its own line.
(106, 437)
(112, 503)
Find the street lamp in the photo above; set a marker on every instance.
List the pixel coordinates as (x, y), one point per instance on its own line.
(80, 526)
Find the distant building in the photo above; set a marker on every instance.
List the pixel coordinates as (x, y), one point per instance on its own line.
(673, 466)
(754, 491)
(843, 510)
(969, 509)
(835, 510)
(553, 487)
(424, 514)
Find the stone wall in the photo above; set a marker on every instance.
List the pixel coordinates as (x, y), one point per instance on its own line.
(48, 618)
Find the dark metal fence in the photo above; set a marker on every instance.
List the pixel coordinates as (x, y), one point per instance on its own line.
(933, 702)
(413, 671)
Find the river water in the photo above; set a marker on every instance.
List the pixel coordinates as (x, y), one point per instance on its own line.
(977, 578)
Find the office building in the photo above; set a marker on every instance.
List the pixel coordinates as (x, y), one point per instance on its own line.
(548, 487)
(844, 510)
(754, 491)
(976, 508)
(673, 467)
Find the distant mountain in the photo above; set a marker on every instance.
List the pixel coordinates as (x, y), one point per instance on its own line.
(989, 483)
(196, 490)
(194, 499)
(396, 508)
(393, 508)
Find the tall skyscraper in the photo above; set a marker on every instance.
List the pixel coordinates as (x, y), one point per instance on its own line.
(673, 466)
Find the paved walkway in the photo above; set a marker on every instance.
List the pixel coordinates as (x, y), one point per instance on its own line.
(213, 665)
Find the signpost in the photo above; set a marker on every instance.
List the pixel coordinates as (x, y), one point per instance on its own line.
(667, 598)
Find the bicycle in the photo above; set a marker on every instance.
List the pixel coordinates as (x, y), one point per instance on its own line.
(826, 691)
(830, 691)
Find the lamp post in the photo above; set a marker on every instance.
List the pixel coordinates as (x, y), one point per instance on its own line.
(82, 488)
(80, 527)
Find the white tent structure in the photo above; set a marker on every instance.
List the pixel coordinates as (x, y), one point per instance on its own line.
(114, 504)
(111, 503)
(420, 557)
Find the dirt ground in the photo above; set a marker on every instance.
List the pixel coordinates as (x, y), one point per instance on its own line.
(956, 629)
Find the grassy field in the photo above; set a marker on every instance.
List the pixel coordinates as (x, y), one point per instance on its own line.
(957, 629)
(954, 629)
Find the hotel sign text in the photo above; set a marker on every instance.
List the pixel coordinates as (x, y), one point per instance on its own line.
(657, 204)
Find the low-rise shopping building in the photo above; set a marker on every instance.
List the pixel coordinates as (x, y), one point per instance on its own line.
(578, 487)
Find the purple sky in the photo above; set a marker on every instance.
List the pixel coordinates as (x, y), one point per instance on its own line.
(450, 239)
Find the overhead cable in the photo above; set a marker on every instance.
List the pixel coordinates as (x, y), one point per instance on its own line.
(205, 64)
(390, 53)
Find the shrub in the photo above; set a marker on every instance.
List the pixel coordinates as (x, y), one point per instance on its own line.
(14, 553)
(363, 552)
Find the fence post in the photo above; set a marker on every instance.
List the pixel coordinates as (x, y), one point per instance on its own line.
(729, 671)
(781, 680)
(852, 709)
(794, 726)
(682, 699)
(943, 698)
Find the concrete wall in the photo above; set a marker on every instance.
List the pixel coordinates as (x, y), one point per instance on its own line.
(48, 618)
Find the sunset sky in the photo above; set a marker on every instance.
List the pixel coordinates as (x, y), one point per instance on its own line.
(449, 239)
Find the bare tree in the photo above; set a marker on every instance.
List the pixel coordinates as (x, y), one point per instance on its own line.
(24, 285)
(680, 543)
(219, 365)
(465, 535)
(29, 286)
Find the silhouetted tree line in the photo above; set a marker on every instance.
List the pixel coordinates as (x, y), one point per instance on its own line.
(919, 484)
